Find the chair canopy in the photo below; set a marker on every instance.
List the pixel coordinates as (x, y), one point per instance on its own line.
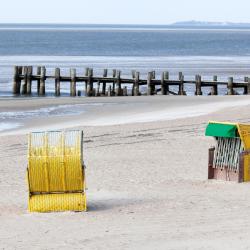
(230, 130)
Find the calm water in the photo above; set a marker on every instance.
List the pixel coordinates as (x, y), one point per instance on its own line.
(225, 52)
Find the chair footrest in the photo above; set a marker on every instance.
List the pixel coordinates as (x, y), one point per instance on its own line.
(57, 202)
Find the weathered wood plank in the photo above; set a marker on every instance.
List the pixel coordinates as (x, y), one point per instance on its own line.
(42, 91)
(73, 82)
(57, 82)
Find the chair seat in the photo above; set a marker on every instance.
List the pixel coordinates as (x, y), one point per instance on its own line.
(57, 202)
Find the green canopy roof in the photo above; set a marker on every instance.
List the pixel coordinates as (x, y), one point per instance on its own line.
(222, 130)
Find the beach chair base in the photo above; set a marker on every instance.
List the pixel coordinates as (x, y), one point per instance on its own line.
(226, 174)
(57, 202)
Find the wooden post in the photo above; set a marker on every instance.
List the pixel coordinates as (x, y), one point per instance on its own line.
(86, 74)
(245, 87)
(149, 84)
(133, 73)
(166, 78)
(198, 85)
(133, 86)
(86, 71)
(16, 80)
(230, 86)
(73, 82)
(105, 74)
(137, 82)
(152, 85)
(20, 70)
(90, 83)
(163, 86)
(98, 89)
(57, 81)
(38, 73)
(153, 74)
(118, 83)
(125, 91)
(248, 86)
(181, 85)
(87, 83)
(24, 86)
(109, 90)
(29, 80)
(214, 90)
(113, 86)
(42, 81)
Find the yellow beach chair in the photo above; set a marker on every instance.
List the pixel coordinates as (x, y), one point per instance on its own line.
(230, 158)
(55, 172)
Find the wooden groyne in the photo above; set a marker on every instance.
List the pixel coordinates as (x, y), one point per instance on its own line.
(115, 85)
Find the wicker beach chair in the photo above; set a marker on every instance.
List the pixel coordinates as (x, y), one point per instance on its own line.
(56, 176)
(229, 159)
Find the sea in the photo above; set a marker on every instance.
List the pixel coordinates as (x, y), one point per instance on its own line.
(221, 51)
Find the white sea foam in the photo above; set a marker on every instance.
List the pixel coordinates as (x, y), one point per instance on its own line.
(13, 120)
(8, 125)
(48, 111)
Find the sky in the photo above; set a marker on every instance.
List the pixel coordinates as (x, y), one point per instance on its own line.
(123, 11)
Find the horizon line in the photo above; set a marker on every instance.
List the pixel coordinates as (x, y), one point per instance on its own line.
(128, 24)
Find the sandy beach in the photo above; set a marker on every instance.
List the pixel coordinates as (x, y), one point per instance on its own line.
(147, 181)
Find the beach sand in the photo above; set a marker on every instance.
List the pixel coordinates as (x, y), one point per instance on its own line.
(147, 181)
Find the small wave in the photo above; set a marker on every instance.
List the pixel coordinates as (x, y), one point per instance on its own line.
(8, 126)
(49, 111)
